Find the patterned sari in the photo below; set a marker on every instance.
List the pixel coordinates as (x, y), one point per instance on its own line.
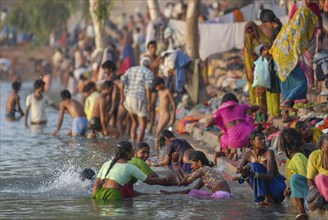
(293, 40)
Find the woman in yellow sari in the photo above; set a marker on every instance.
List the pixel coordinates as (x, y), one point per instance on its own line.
(253, 36)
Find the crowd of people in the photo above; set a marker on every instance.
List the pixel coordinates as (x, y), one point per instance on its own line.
(115, 91)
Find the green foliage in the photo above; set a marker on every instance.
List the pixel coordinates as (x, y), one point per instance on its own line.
(103, 10)
(40, 17)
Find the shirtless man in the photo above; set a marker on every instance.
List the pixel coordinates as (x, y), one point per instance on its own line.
(165, 98)
(13, 100)
(74, 109)
(154, 67)
(100, 116)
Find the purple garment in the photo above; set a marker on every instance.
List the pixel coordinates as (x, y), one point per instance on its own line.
(205, 194)
(178, 145)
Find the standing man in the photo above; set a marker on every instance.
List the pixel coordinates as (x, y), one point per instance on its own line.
(74, 109)
(135, 95)
(154, 67)
(36, 103)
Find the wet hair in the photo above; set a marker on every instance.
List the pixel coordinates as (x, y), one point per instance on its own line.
(38, 84)
(16, 86)
(89, 86)
(109, 65)
(152, 42)
(141, 145)
(88, 174)
(322, 138)
(65, 94)
(107, 84)
(229, 97)
(200, 156)
(158, 81)
(290, 142)
(267, 15)
(123, 149)
(164, 134)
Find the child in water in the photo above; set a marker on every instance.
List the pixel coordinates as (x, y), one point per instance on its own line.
(209, 177)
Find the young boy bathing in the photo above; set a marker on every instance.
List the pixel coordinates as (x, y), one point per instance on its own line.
(209, 177)
(74, 109)
(100, 117)
(13, 101)
(165, 99)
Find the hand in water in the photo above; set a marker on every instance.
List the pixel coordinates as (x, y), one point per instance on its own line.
(54, 133)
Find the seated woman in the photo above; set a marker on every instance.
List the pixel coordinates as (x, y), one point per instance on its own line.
(262, 172)
(180, 146)
(114, 174)
(308, 134)
(140, 156)
(297, 189)
(317, 176)
(236, 123)
(209, 177)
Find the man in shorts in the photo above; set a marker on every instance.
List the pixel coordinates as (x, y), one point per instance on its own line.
(136, 87)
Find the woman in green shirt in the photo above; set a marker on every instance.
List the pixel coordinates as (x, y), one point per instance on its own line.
(114, 174)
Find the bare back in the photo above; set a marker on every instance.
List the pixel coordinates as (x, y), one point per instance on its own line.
(102, 104)
(73, 107)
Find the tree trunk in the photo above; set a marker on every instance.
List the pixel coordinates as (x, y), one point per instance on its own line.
(97, 24)
(153, 9)
(192, 41)
(195, 85)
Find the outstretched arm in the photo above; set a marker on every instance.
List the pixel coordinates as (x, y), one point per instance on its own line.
(60, 119)
(26, 114)
(102, 108)
(19, 106)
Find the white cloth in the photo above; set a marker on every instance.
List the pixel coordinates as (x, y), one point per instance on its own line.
(214, 38)
(37, 108)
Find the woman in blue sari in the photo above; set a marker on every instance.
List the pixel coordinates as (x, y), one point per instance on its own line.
(258, 167)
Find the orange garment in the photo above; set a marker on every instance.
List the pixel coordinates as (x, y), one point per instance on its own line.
(187, 120)
(239, 17)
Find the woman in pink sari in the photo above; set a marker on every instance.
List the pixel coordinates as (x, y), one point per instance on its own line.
(236, 124)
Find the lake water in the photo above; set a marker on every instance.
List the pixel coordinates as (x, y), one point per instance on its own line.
(39, 179)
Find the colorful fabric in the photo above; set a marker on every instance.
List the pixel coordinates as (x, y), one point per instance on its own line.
(210, 177)
(299, 186)
(253, 36)
(316, 134)
(107, 194)
(121, 172)
(238, 135)
(292, 41)
(315, 165)
(136, 80)
(275, 188)
(295, 85)
(273, 102)
(298, 164)
(321, 181)
(230, 111)
(80, 125)
(205, 194)
(128, 58)
(142, 165)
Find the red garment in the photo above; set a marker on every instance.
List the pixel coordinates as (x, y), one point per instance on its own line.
(313, 6)
(127, 63)
(127, 190)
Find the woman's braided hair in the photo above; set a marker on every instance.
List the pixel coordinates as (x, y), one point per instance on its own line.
(123, 149)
